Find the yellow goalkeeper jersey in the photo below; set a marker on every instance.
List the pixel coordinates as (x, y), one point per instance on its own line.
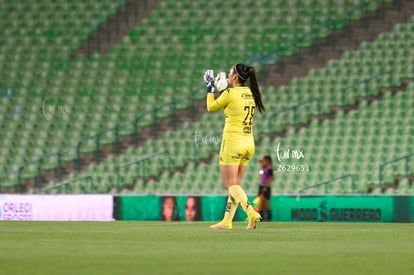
(239, 109)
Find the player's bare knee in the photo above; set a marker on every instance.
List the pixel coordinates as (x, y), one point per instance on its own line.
(229, 183)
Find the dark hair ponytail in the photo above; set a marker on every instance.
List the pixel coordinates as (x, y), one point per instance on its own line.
(254, 87)
(247, 72)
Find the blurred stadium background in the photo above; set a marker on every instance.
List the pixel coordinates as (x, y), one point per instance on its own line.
(107, 96)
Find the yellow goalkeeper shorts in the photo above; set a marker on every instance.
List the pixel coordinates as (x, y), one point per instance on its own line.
(236, 150)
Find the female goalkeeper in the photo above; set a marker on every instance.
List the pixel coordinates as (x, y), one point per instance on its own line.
(237, 147)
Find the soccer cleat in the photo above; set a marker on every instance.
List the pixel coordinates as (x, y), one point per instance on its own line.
(253, 218)
(221, 225)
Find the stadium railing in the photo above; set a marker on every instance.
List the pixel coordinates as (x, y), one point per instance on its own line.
(294, 110)
(406, 160)
(310, 38)
(364, 82)
(133, 126)
(103, 23)
(18, 184)
(325, 184)
(142, 162)
(66, 183)
(151, 116)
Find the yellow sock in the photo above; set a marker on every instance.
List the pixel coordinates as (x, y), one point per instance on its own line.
(240, 196)
(231, 208)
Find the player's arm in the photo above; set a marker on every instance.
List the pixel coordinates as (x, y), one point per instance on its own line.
(221, 83)
(214, 105)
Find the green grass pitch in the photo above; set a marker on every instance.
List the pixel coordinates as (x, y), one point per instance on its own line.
(193, 248)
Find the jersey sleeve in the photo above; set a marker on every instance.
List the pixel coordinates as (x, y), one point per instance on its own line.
(219, 103)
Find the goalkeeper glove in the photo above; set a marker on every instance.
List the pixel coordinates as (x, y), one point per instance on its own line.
(209, 80)
(221, 81)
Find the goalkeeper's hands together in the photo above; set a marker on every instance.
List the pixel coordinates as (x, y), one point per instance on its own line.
(220, 82)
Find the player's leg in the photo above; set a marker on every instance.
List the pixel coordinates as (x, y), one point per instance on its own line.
(267, 204)
(232, 172)
(253, 217)
(233, 184)
(233, 206)
(237, 192)
(268, 210)
(229, 177)
(227, 221)
(232, 176)
(260, 207)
